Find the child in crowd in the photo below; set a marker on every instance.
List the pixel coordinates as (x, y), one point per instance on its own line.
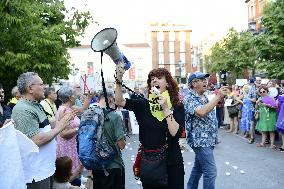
(63, 174)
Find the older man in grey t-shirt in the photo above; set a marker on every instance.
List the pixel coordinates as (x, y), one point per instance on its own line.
(31, 120)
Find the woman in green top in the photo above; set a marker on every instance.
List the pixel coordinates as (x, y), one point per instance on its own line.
(267, 118)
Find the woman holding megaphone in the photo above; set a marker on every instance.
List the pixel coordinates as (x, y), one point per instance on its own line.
(161, 120)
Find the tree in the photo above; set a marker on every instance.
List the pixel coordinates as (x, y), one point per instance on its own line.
(270, 44)
(234, 53)
(35, 35)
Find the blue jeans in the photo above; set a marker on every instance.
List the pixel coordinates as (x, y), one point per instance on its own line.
(204, 164)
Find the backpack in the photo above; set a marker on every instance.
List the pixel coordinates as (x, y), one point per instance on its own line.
(94, 150)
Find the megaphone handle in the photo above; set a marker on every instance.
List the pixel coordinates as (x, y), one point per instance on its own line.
(103, 83)
(139, 95)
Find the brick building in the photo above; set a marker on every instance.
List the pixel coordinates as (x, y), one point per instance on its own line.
(255, 9)
(171, 49)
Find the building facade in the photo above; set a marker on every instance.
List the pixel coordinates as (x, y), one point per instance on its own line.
(171, 49)
(255, 10)
(85, 65)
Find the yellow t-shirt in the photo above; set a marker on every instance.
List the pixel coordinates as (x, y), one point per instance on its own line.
(156, 108)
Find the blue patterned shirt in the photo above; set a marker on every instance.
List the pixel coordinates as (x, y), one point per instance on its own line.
(201, 132)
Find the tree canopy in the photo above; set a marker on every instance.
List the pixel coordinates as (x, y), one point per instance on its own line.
(35, 35)
(234, 53)
(244, 51)
(271, 43)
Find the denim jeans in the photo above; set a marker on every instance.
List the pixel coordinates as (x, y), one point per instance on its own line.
(219, 113)
(204, 164)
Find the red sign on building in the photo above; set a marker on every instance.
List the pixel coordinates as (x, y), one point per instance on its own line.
(132, 73)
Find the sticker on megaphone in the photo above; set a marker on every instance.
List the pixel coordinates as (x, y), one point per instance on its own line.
(118, 56)
(155, 91)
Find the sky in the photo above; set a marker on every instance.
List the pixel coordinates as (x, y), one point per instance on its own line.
(131, 18)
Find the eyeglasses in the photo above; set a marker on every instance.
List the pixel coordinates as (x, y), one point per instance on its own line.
(40, 84)
(262, 92)
(200, 79)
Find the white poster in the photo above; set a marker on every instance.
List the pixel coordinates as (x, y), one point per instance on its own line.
(241, 82)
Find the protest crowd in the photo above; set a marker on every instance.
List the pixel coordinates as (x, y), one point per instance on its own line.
(53, 125)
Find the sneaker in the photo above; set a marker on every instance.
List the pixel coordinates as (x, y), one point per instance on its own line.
(281, 149)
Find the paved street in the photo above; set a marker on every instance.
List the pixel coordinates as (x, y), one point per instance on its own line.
(262, 168)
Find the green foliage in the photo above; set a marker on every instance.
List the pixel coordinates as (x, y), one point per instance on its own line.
(271, 43)
(35, 35)
(234, 53)
(237, 52)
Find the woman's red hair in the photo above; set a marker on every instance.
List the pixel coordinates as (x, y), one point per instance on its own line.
(172, 84)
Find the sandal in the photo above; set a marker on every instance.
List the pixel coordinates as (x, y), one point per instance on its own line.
(251, 141)
(260, 145)
(272, 147)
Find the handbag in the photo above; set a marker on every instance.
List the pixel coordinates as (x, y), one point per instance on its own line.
(154, 167)
(233, 109)
(183, 133)
(137, 163)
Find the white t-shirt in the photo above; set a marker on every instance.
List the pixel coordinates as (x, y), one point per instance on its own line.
(41, 165)
(64, 185)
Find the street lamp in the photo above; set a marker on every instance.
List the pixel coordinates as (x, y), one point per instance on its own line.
(178, 67)
(252, 27)
(254, 31)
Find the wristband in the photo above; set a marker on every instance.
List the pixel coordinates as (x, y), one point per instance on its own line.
(169, 115)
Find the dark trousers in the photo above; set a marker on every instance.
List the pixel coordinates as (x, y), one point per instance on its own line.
(219, 115)
(76, 182)
(43, 184)
(115, 179)
(175, 178)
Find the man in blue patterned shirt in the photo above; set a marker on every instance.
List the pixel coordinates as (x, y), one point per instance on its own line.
(202, 127)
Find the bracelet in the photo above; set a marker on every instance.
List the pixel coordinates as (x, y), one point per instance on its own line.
(117, 81)
(169, 115)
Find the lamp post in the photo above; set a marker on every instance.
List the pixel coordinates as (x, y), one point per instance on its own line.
(178, 68)
(254, 31)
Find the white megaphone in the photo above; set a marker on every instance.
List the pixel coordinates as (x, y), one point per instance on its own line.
(105, 41)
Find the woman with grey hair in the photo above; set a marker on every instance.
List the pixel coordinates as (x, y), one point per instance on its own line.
(16, 96)
(66, 141)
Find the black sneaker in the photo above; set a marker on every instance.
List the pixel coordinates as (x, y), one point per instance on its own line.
(281, 149)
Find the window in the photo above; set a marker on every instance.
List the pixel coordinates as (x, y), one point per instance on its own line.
(182, 36)
(182, 58)
(160, 36)
(172, 58)
(172, 46)
(252, 11)
(173, 70)
(140, 73)
(161, 46)
(172, 36)
(182, 46)
(161, 58)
